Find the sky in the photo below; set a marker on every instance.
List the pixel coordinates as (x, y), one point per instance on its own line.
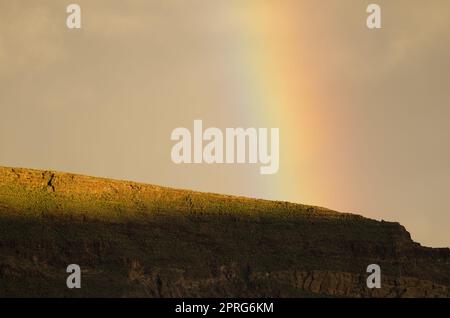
(363, 114)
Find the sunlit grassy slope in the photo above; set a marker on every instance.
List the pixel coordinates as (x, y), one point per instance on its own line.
(133, 239)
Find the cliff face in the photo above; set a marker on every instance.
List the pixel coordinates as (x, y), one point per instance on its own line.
(135, 240)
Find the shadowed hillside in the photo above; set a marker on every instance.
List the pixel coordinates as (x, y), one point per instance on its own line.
(136, 240)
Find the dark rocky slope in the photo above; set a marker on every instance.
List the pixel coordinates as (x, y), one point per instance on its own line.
(135, 240)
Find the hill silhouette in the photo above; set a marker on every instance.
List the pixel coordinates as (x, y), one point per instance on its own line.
(137, 240)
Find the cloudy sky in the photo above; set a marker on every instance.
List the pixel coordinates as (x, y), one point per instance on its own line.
(363, 114)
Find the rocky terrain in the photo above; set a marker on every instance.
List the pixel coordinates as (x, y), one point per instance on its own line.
(136, 240)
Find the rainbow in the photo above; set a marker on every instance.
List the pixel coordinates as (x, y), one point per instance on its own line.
(269, 60)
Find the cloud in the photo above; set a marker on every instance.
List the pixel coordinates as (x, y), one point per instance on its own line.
(30, 38)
